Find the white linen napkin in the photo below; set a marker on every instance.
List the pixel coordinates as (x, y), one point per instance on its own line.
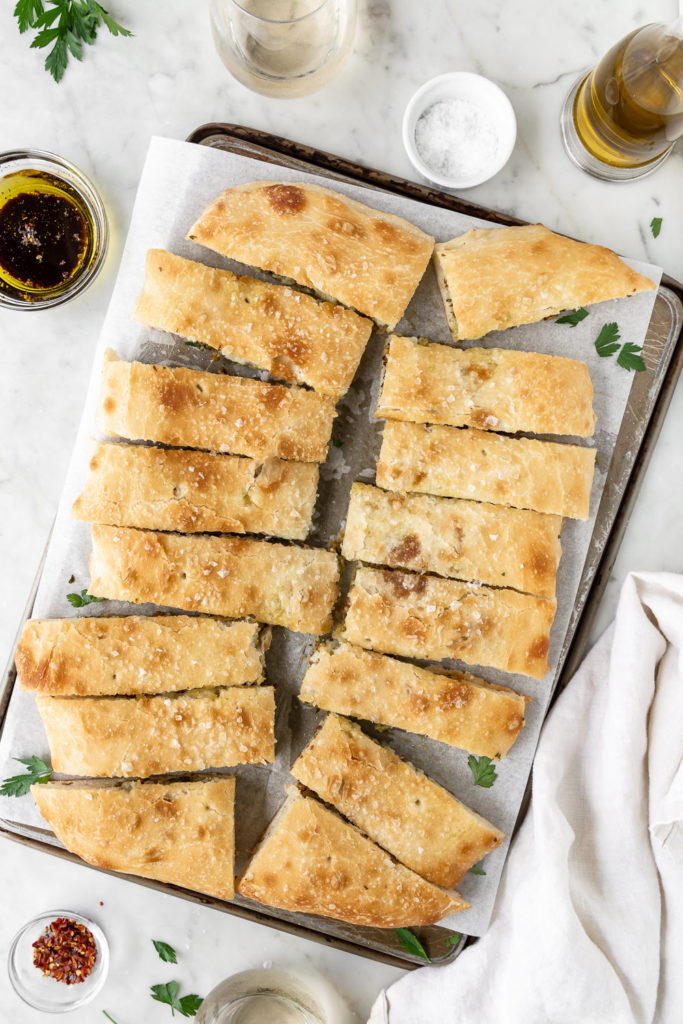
(588, 923)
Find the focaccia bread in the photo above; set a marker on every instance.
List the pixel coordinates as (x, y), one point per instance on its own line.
(137, 654)
(142, 736)
(490, 388)
(455, 707)
(238, 577)
(427, 617)
(495, 278)
(177, 832)
(194, 409)
(339, 247)
(403, 811)
(469, 463)
(466, 540)
(192, 491)
(312, 862)
(291, 335)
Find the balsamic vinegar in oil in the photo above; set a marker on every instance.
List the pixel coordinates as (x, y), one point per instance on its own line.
(629, 109)
(47, 235)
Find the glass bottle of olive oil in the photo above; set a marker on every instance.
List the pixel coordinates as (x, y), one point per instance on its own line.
(627, 113)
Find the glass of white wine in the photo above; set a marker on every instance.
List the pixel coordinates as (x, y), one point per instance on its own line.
(283, 48)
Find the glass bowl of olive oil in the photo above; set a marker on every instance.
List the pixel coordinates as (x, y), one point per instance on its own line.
(53, 230)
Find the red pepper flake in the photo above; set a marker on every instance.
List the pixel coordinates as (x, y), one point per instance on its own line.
(66, 951)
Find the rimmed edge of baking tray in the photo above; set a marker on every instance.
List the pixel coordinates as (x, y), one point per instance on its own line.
(625, 475)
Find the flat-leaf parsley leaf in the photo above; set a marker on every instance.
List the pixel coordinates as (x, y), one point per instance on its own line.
(166, 953)
(477, 870)
(77, 22)
(412, 944)
(483, 770)
(453, 939)
(573, 318)
(607, 341)
(19, 785)
(187, 1006)
(629, 357)
(655, 226)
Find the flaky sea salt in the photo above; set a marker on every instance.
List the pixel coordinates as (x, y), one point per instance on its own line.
(456, 138)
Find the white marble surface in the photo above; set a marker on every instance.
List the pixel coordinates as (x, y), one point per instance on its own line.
(167, 80)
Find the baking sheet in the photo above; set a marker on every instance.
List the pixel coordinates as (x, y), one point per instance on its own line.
(177, 182)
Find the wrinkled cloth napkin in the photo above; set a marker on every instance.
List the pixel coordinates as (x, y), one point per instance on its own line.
(588, 923)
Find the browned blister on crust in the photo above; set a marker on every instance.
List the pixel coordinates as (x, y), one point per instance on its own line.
(140, 736)
(193, 491)
(495, 278)
(213, 411)
(312, 862)
(455, 707)
(177, 832)
(400, 808)
(467, 540)
(427, 617)
(489, 388)
(238, 577)
(133, 654)
(338, 247)
(468, 463)
(291, 335)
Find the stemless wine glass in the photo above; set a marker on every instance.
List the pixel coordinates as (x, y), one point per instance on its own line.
(283, 48)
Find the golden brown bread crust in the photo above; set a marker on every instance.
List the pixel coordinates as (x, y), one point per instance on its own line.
(403, 811)
(467, 540)
(294, 336)
(238, 577)
(313, 862)
(468, 463)
(136, 654)
(428, 617)
(490, 388)
(455, 707)
(191, 492)
(193, 409)
(178, 832)
(339, 247)
(141, 736)
(495, 278)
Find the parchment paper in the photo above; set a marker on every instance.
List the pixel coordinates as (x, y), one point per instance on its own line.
(178, 181)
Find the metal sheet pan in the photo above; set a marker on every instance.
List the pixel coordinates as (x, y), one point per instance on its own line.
(650, 395)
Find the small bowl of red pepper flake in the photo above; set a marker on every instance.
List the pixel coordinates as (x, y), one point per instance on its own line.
(58, 961)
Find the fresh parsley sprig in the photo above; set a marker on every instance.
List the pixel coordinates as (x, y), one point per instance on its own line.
(166, 953)
(82, 599)
(476, 869)
(573, 318)
(19, 785)
(454, 939)
(656, 226)
(67, 25)
(186, 1006)
(483, 770)
(608, 342)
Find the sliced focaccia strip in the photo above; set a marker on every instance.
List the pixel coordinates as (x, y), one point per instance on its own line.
(294, 336)
(192, 491)
(414, 819)
(137, 654)
(428, 617)
(142, 736)
(177, 832)
(193, 409)
(490, 388)
(467, 540)
(469, 463)
(339, 247)
(239, 577)
(455, 707)
(310, 861)
(495, 278)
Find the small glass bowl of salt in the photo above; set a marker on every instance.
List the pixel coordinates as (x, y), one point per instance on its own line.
(459, 130)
